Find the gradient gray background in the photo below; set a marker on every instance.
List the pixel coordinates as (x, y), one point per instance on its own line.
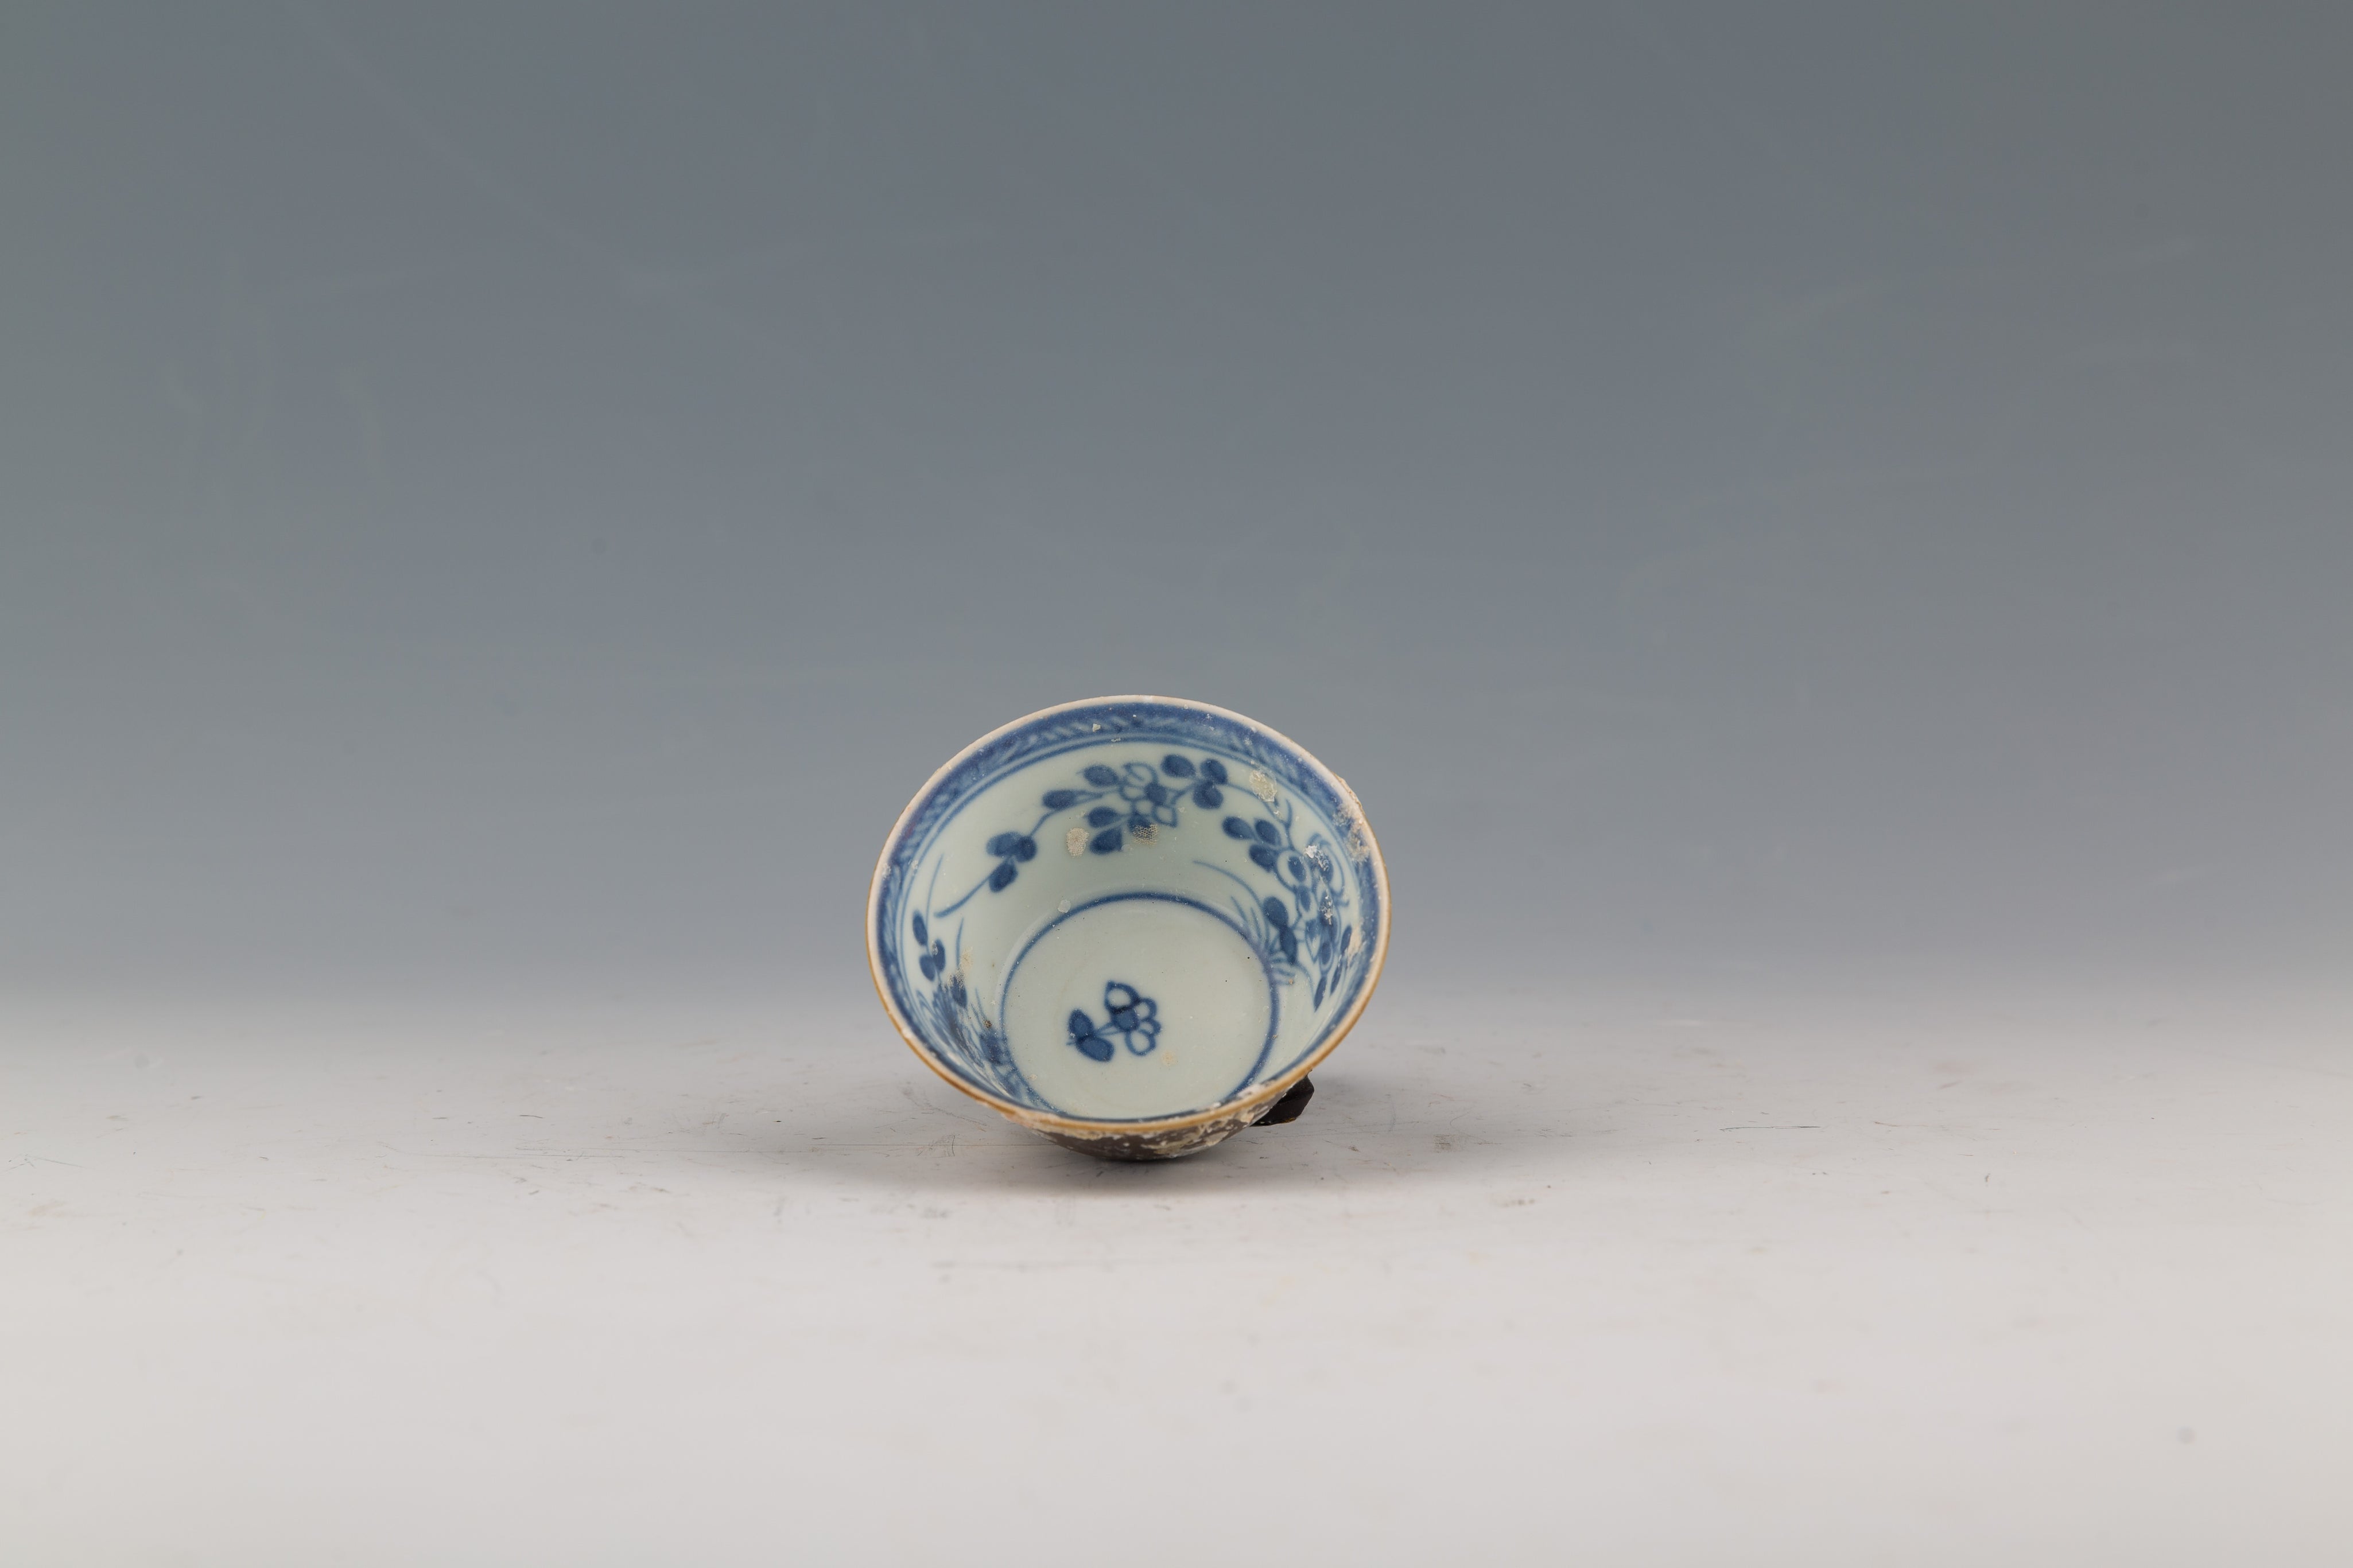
(516, 497)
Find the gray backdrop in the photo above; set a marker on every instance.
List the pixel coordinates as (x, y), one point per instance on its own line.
(501, 496)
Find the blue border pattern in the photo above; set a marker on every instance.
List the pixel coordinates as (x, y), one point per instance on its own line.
(957, 1030)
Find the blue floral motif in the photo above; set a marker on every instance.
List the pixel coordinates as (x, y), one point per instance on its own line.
(1013, 850)
(1135, 1018)
(1307, 925)
(953, 1015)
(1147, 795)
(1147, 798)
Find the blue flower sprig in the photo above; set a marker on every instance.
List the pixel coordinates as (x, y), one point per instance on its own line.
(1135, 1018)
(1308, 919)
(1148, 796)
(1146, 804)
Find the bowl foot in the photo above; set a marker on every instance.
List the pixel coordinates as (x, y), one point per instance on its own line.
(1184, 1140)
(1294, 1100)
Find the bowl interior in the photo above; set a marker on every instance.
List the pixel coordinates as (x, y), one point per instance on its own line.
(1127, 911)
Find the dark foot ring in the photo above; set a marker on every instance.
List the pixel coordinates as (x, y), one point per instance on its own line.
(1294, 1100)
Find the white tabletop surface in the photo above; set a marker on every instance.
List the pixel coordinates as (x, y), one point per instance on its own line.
(1644, 1280)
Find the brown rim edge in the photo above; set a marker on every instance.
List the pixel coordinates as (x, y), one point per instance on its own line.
(1041, 1120)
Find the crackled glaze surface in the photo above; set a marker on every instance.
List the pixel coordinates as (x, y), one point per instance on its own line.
(1129, 922)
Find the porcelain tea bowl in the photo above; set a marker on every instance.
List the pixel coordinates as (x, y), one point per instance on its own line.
(1133, 924)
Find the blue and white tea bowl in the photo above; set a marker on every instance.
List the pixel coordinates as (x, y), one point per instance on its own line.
(1132, 924)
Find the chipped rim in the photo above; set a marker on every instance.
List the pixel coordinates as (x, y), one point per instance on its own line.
(1080, 1126)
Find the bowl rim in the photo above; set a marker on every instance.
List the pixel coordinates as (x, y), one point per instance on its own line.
(1054, 1120)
